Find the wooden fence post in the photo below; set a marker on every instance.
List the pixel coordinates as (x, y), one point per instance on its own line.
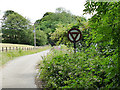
(13, 48)
(16, 48)
(6, 49)
(2, 48)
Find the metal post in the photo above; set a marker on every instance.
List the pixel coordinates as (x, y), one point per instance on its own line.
(74, 47)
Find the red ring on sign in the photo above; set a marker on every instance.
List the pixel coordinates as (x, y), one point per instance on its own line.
(69, 32)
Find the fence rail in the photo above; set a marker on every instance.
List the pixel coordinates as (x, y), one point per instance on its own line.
(6, 49)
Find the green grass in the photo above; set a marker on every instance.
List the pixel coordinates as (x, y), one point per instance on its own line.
(7, 56)
(14, 45)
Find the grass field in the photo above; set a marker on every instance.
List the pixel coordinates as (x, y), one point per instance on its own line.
(9, 46)
(7, 56)
(14, 45)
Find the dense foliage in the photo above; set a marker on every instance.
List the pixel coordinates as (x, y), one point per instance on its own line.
(51, 22)
(60, 34)
(97, 62)
(97, 65)
(64, 69)
(41, 38)
(105, 37)
(16, 29)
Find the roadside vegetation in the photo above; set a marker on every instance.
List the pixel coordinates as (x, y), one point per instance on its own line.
(14, 45)
(97, 61)
(62, 68)
(10, 55)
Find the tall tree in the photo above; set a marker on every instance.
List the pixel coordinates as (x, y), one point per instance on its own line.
(60, 34)
(16, 28)
(49, 22)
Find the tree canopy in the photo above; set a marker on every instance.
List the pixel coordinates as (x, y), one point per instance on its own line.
(104, 38)
(51, 22)
(16, 28)
(96, 64)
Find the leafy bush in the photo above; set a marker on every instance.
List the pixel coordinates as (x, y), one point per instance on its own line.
(62, 69)
(97, 65)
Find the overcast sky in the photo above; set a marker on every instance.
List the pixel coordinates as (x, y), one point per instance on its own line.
(35, 9)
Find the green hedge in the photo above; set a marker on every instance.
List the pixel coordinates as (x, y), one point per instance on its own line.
(62, 69)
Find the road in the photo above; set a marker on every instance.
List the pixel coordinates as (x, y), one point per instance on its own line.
(20, 72)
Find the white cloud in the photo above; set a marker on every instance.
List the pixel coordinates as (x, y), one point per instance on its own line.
(35, 9)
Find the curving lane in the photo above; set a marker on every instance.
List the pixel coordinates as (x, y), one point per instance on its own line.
(20, 72)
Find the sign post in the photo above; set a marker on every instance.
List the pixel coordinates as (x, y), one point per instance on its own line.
(74, 35)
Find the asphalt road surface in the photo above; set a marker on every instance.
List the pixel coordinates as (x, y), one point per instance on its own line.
(20, 73)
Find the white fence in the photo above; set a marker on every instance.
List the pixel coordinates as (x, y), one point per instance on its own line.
(5, 49)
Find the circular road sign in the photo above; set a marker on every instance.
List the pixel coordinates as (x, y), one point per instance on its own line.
(74, 35)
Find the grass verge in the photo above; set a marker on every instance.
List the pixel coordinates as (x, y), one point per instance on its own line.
(7, 56)
(64, 69)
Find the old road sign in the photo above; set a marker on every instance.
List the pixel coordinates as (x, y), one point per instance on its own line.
(74, 35)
